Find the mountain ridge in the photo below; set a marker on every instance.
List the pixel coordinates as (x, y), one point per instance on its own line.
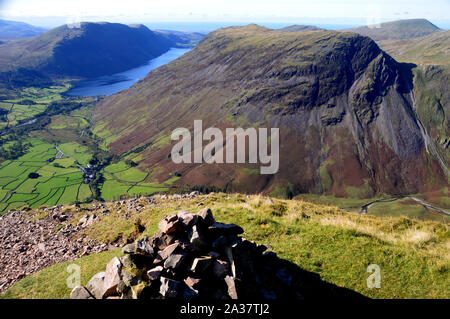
(15, 30)
(396, 30)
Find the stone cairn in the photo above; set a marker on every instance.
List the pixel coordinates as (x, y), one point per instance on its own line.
(192, 256)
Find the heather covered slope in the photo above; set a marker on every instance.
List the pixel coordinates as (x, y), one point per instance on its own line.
(344, 108)
(90, 50)
(397, 30)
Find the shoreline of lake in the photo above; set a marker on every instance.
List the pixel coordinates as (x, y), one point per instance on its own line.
(111, 84)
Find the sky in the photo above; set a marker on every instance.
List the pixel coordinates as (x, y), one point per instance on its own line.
(141, 11)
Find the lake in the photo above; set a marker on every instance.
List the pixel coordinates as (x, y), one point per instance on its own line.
(110, 84)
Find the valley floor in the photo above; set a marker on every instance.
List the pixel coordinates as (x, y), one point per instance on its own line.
(50, 137)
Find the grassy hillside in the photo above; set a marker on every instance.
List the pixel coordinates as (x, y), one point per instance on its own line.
(396, 30)
(433, 49)
(413, 255)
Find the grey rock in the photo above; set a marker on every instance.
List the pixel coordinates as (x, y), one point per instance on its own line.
(207, 216)
(220, 243)
(200, 265)
(170, 225)
(83, 220)
(166, 252)
(174, 261)
(96, 285)
(219, 229)
(188, 293)
(143, 247)
(112, 277)
(127, 261)
(232, 292)
(129, 249)
(196, 238)
(155, 273)
(220, 268)
(192, 283)
(187, 219)
(169, 288)
(80, 293)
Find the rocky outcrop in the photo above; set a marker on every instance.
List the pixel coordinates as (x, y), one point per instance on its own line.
(193, 256)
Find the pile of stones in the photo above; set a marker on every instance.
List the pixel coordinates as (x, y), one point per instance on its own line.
(193, 256)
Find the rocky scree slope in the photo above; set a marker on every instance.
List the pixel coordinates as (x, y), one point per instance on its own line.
(344, 107)
(29, 242)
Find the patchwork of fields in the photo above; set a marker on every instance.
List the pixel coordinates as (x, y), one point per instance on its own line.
(33, 101)
(50, 171)
(59, 181)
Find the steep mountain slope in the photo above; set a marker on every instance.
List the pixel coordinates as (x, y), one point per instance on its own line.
(431, 55)
(90, 50)
(16, 30)
(344, 108)
(397, 30)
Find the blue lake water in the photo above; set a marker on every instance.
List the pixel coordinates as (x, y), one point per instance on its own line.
(110, 84)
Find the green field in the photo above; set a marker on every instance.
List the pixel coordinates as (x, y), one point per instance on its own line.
(60, 180)
(60, 184)
(60, 122)
(32, 102)
(76, 151)
(57, 151)
(122, 179)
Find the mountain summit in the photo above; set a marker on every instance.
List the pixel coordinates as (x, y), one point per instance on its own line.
(397, 30)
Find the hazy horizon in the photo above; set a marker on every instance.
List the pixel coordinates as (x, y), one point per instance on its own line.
(207, 26)
(177, 13)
